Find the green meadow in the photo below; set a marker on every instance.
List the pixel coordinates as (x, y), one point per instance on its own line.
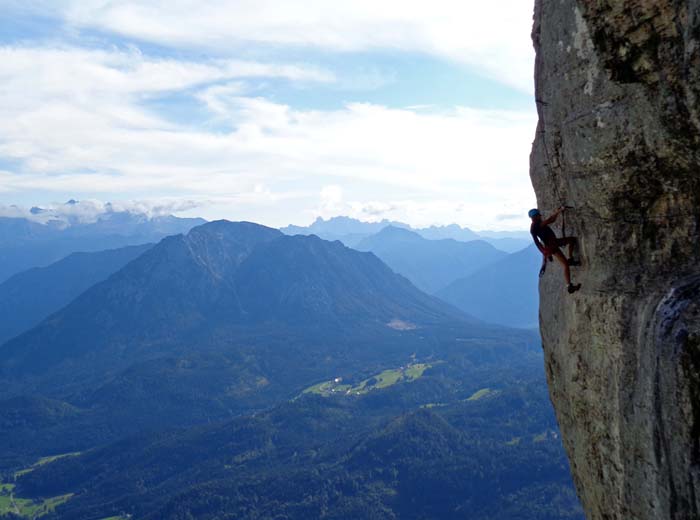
(384, 379)
(30, 508)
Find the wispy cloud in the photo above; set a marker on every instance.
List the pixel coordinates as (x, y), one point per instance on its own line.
(491, 37)
(87, 73)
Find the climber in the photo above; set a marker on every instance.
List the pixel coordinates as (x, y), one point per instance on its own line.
(548, 244)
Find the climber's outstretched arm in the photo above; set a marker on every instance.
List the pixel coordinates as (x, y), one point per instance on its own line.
(550, 219)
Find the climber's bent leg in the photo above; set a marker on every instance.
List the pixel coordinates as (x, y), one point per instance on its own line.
(565, 263)
(567, 274)
(571, 242)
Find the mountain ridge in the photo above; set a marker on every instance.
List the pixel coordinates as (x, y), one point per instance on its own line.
(430, 264)
(214, 276)
(504, 292)
(25, 243)
(351, 231)
(28, 297)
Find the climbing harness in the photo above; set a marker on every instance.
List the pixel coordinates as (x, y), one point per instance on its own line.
(548, 257)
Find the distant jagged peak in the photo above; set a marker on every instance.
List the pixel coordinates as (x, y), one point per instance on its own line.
(453, 231)
(350, 221)
(343, 225)
(76, 212)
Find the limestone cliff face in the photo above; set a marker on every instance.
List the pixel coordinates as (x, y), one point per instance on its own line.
(618, 89)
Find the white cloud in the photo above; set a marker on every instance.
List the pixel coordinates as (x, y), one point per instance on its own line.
(98, 76)
(331, 201)
(90, 210)
(77, 121)
(491, 37)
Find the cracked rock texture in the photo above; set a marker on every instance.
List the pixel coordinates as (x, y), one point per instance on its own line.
(618, 89)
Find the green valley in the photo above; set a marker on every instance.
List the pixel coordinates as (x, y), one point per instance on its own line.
(28, 507)
(384, 379)
(381, 454)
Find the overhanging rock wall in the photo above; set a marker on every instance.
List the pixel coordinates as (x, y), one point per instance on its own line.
(618, 89)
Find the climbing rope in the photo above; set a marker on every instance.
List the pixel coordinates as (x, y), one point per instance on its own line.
(549, 166)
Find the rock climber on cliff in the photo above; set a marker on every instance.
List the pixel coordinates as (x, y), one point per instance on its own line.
(548, 244)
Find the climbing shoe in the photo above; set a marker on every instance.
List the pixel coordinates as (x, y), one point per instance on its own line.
(573, 262)
(573, 288)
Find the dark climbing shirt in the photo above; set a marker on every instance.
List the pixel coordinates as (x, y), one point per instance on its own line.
(544, 233)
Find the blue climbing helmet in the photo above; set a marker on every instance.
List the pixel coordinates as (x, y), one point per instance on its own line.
(533, 213)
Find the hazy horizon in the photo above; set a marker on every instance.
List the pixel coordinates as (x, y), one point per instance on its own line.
(87, 212)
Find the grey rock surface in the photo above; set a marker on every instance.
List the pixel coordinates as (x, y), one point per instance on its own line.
(618, 90)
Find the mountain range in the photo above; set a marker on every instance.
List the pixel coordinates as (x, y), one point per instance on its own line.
(504, 292)
(228, 318)
(225, 274)
(352, 231)
(45, 236)
(430, 264)
(30, 296)
(25, 243)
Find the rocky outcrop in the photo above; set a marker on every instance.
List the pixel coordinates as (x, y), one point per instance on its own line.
(618, 90)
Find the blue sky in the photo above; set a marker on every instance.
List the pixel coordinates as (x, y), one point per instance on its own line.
(269, 111)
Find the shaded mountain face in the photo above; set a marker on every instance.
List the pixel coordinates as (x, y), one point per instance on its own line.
(505, 292)
(179, 284)
(305, 278)
(25, 244)
(29, 297)
(430, 264)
